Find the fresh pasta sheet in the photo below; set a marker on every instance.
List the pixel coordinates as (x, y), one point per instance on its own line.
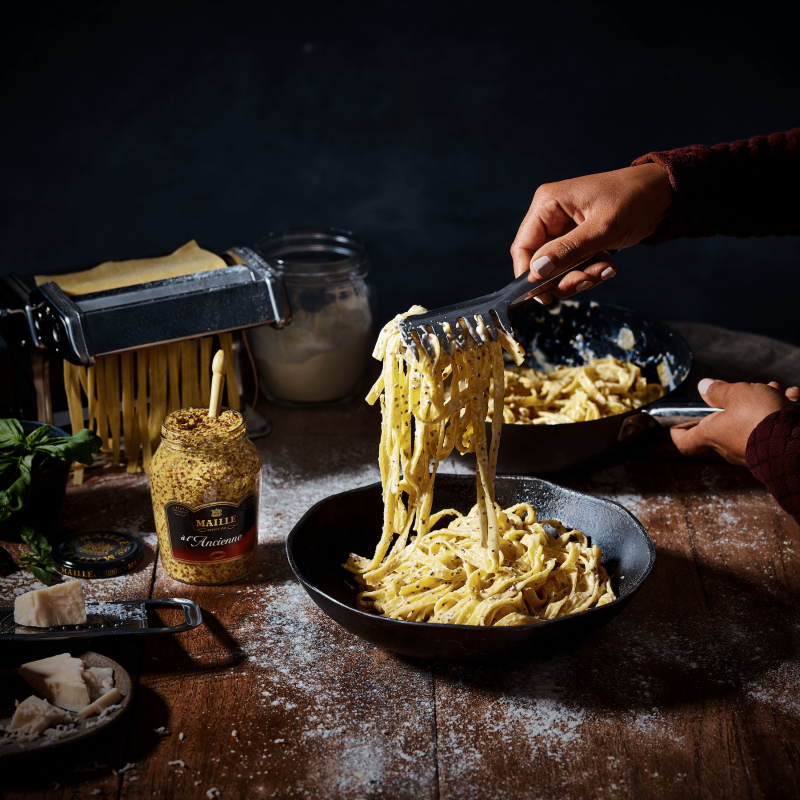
(601, 388)
(492, 566)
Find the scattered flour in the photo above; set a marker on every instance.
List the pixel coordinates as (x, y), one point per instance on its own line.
(115, 610)
(777, 688)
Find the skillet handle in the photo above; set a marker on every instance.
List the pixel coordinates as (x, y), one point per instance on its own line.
(675, 411)
(666, 413)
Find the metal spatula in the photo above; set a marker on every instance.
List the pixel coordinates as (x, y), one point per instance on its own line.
(482, 313)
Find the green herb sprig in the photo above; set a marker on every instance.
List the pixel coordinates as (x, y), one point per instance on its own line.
(19, 456)
(38, 560)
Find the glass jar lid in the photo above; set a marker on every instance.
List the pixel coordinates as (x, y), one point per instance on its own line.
(97, 554)
(315, 255)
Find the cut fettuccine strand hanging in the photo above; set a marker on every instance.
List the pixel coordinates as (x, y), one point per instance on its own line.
(129, 394)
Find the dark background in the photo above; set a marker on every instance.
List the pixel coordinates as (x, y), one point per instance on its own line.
(129, 129)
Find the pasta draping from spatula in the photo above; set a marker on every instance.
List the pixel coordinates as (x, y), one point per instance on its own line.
(490, 567)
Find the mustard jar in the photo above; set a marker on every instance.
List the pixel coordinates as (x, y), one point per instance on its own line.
(205, 481)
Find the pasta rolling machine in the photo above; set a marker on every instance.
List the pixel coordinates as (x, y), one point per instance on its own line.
(79, 328)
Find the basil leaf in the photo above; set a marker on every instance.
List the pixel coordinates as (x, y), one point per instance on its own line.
(5, 558)
(43, 574)
(38, 545)
(8, 447)
(37, 437)
(9, 465)
(76, 448)
(19, 492)
(11, 432)
(50, 439)
(12, 437)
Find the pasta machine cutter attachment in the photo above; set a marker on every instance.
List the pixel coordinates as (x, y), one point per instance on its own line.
(481, 316)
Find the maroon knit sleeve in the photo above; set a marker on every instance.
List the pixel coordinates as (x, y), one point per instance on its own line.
(773, 455)
(745, 188)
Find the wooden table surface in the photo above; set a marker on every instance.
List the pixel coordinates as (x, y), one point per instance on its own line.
(693, 691)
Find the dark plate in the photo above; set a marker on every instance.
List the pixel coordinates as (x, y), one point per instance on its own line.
(351, 522)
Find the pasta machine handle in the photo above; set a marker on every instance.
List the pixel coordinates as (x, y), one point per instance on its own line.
(13, 290)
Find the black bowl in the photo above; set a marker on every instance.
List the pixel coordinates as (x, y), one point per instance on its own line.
(48, 488)
(350, 522)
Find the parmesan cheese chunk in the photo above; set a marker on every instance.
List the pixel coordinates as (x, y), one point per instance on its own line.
(98, 680)
(35, 715)
(108, 699)
(59, 680)
(62, 604)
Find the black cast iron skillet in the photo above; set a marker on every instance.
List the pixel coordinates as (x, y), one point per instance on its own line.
(572, 333)
(350, 522)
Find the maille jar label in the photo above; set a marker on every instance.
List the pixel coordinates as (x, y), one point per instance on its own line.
(212, 532)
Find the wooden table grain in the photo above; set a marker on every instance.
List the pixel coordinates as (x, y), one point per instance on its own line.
(694, 691)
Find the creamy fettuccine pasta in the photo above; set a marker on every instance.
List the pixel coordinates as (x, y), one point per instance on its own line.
(492, 566)
(601, 388)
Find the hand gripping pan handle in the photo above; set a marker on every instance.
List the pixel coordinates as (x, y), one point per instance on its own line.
(667, 413)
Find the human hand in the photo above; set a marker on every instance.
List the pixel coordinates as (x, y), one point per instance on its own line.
(571, 220)
(727, 431)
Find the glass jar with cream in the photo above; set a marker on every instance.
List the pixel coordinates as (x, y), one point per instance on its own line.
(322, 356)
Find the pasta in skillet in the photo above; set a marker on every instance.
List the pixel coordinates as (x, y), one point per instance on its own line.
(601, 388)
(491, 566)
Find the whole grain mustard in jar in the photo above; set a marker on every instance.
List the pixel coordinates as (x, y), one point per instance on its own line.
(205, 481)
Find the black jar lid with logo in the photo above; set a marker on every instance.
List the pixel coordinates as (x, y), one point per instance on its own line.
(97, 554)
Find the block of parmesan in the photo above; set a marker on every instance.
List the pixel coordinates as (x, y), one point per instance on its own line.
(35, 715)
(108, 699)
(58, 679)
(98, 680)
(62, 604)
